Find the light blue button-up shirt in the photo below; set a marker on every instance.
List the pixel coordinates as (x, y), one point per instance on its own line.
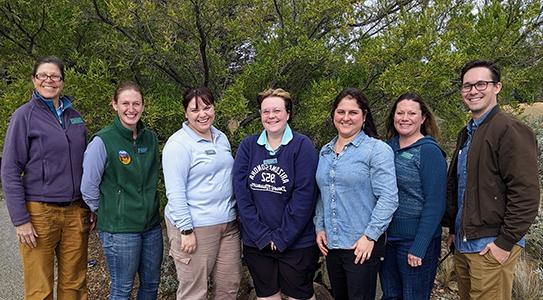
(198, 179)
(358, 191)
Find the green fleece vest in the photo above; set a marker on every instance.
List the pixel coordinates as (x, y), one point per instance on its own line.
(128, 192)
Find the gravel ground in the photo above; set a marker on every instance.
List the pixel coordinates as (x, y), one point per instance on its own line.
(98, 279)
(11, 276)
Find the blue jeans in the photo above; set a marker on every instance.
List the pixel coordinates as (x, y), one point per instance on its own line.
(401, 281)
(128, 253)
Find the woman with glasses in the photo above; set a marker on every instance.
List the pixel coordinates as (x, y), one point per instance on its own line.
(201, 214)
(274, 184)
(358, 198)
(414, 235)
(41, 177)
(120, 184)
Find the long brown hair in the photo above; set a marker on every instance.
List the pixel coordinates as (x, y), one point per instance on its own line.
(428, 127)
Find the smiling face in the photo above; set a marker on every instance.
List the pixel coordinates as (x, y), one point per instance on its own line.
(408, 118)
(200, 117)
(48, 88)
(129, 107)
(480, 102)
(348, 118)
(274, 115)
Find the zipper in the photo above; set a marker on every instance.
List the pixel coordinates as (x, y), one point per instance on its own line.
(65, 129)
(138, 163)
(119, 203)
(464, 210)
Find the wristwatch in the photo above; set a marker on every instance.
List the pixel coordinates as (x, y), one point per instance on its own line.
(186, 232)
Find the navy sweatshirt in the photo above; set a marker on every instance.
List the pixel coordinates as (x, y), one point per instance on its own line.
(276, 194)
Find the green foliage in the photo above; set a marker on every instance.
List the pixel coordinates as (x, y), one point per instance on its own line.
(313, 49)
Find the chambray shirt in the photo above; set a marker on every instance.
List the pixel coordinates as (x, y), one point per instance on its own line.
(358, 191)
(461, 244)
(198, 179)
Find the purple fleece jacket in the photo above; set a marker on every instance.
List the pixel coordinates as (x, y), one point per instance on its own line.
(42, 161)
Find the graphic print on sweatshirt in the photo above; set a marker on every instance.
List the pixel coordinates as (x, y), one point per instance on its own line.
(268, 177)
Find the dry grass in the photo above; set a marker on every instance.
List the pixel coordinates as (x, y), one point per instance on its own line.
(528, 280)
(445, 274)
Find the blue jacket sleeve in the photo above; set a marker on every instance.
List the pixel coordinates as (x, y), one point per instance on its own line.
(14, 160)
(301, 206)
(433, 176)
(253, 228)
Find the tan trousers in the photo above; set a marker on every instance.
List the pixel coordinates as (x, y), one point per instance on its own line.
(64, 232)
(218, 254)
(483, 277)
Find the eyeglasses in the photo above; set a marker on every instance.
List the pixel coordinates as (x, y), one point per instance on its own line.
(479, 85)
(43, 77)
(268, 111)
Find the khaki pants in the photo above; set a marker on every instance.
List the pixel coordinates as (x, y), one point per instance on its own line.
(218, 254)
(64, 232)
(482, 277)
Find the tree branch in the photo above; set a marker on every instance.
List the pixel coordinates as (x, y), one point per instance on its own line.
(281, 21)
(203, 42)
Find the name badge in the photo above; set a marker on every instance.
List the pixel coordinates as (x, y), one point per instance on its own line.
(76, 120)
(211, 152)
(271, 161)
(142, 150)
(406, 155)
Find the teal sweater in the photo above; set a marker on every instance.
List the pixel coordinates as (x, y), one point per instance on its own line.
(128, 191)
(421, 174)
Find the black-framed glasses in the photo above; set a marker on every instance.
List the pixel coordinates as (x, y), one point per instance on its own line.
(43, 77)
(480, 85)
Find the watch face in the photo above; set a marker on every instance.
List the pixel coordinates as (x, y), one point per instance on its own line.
(186, 232)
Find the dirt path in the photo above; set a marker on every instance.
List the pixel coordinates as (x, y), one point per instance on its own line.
(11, 276)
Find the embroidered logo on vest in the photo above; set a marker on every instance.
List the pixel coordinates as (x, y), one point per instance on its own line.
(124, 157)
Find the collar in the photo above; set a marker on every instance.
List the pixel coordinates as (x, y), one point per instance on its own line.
(215, 133)
(358, 139)
(263, 139)
(125, 132)
(474, 124)
(64, 102)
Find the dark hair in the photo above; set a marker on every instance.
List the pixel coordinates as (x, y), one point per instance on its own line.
(353, 93)
(277, 93)
(428, 127)
(124, 86)
(48, 60)
(491, 66)
(203, 93)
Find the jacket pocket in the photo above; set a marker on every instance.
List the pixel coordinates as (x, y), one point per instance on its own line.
(491, 206)
(44, 172)
(120, 205)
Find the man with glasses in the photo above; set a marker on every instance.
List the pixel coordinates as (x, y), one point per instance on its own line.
(493, 189)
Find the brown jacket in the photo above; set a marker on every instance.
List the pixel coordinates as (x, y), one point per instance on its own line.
(501, 197)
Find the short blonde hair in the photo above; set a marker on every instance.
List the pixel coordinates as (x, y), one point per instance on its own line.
(276, 93)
